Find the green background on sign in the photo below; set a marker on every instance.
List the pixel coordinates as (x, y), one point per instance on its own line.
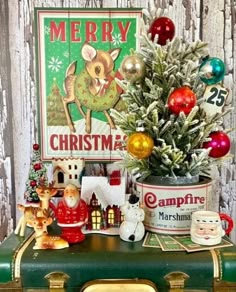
(59, 54)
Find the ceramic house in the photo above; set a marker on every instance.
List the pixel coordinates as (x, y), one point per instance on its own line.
(102, 216)
(67, 170)
(104, 200)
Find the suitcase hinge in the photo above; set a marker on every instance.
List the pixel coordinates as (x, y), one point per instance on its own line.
(176, 281)
(57, 281)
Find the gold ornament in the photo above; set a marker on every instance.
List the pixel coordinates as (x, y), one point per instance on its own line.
(140, 145)
(133, 69)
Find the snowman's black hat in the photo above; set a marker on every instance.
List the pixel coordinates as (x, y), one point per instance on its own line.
(133, 199)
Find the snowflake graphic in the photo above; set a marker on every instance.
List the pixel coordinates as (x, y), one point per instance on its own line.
(47, 30)
(116, 39)
(66, 54)
(54, 64)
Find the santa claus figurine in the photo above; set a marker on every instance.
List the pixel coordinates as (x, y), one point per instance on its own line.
(72, 214)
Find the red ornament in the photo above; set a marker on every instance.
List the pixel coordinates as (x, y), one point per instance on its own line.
(182, 99)
(33, 183)
(220, 144)
(164, 28)
(37, 166)
(36, 147)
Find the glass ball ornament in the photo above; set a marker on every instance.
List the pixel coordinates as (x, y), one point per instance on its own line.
(182, 99)
(164, 28)
(220, 144)
(35, 197)
(36, 147)
(33, 183)
(140, 145)
(212, 70)
(133, 69)
(32, 176)
(37, 166)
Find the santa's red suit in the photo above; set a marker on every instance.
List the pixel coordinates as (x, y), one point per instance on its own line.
(71, 220)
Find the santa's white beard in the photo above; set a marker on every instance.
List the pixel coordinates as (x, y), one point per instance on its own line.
(71, 202)
(206, 239)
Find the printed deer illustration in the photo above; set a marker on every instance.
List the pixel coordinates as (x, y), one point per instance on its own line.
(99, 66)
(45, 193)
(43, 240)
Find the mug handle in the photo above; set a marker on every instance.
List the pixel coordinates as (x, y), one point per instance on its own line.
(229, 221)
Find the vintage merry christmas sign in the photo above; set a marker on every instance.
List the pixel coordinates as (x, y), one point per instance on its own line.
(79, 52)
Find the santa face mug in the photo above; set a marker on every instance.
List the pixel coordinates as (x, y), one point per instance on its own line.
(206, 227)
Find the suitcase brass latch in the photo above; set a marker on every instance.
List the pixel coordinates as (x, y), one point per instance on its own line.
(176, 281)
(57, 281)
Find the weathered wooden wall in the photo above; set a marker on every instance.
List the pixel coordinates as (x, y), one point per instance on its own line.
(211, 21)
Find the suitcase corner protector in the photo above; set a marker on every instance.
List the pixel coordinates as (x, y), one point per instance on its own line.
(14, 285)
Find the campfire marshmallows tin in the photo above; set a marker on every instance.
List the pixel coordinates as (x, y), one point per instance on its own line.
(168, 207)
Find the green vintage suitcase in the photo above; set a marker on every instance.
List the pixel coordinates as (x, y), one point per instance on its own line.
(106, 263)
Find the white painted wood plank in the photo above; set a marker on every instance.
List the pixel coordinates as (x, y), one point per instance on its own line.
(7, 202)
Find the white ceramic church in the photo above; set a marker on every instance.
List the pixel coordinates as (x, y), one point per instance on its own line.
(67, 170)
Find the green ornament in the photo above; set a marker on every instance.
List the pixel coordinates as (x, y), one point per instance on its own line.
(212, 71)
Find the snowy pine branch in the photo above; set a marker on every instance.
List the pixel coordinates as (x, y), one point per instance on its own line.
(178, 138)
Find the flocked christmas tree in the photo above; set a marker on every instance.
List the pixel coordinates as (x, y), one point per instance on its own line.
(37, 176)
(175, 99)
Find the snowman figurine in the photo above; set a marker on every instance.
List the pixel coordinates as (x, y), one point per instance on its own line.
(132, 228)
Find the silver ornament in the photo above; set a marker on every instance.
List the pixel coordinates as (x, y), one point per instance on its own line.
(133, 69)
